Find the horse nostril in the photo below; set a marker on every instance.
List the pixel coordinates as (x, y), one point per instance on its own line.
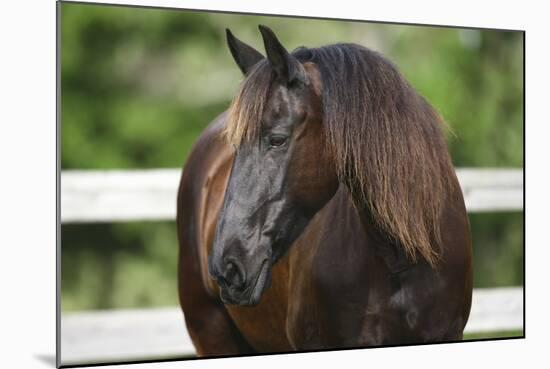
(234, 275)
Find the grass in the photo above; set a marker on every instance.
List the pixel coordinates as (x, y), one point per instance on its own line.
(488, 335)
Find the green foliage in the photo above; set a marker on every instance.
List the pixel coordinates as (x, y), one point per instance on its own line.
(139, 85)
(118, 265)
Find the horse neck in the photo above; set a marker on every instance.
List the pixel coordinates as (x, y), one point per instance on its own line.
(389, 250)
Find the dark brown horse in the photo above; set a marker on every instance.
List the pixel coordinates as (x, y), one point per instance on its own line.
(321, 210)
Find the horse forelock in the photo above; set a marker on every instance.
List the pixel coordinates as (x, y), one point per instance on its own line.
(385, 139)
(246, 109)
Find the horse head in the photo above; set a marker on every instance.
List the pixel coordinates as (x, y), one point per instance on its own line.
(281, 175)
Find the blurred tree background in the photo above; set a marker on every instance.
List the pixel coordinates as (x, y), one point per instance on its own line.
(139, 85)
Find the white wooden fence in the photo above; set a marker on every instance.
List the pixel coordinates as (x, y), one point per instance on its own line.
(111, 195)
(137, 334)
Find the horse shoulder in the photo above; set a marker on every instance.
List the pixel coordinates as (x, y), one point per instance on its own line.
(328, 278)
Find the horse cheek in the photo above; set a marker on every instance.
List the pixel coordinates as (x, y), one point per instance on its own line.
(312, 179)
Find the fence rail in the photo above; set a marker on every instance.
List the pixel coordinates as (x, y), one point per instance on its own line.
(130, 195)
(136, 334)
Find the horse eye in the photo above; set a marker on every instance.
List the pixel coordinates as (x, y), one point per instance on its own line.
(277, 140)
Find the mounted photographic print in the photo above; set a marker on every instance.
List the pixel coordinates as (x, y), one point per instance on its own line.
(236, 184)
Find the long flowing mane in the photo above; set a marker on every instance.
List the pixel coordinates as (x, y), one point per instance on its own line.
(386, 140)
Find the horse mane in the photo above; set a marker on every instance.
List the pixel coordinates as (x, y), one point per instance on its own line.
(386, 140)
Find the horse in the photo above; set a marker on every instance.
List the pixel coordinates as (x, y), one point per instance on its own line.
(321, 210)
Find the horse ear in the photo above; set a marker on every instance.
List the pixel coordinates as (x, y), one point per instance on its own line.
(245, 56)
(286, 66)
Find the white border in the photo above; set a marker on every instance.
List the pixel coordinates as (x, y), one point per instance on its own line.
(424, 12)
(27, 198)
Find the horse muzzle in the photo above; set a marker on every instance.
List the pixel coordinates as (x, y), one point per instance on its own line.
(236, 288)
